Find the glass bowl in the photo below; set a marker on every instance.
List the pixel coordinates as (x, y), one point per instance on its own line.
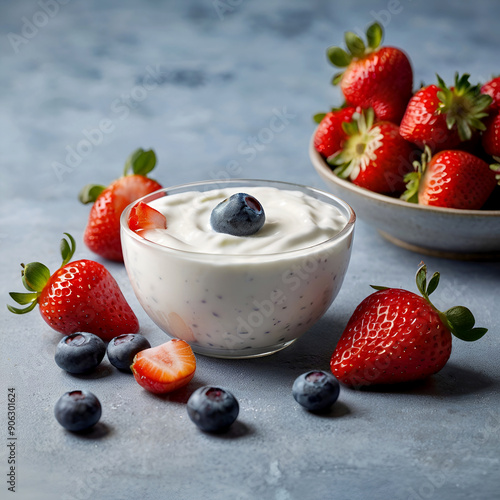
(237, 306)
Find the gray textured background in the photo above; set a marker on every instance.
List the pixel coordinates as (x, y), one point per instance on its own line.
(220, 70)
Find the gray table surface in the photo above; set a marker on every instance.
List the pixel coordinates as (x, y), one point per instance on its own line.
(199, 81)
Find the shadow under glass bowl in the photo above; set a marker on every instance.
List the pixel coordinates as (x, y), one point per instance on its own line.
(436, 231)
(237, 306)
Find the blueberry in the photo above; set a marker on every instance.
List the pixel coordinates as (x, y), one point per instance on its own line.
(78, 410)
(122, 349)
(212, 409)
(316, 390)
(80, 352)
(239, 215)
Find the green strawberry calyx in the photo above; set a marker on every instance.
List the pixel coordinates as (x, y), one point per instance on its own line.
(363, 139)
(412, 179)
(356, 48)
(35, 277)
(140, 162)
(464, 105)
(459, 319)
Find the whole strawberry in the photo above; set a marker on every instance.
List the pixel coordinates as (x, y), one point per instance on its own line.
(441, 117)
(492, 88)
(102, 234)
(451, 179)
(374, 156)
(398, 336)
(81, 296)
(491, 136)
(374, 76)
(330, 135)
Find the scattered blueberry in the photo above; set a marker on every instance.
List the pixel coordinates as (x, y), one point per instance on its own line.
(78, 410)
(80, 352)
(239, 215)
(212, 409)
(316, 390)
(122, 349)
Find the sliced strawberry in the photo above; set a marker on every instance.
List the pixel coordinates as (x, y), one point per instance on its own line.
(166, 367)
(102, 234)
(142, 216)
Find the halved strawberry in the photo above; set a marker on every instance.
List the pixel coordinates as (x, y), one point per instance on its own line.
(142, 216)
(164, 368)
(102, 234)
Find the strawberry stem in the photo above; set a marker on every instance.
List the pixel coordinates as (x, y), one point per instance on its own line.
(140, 162)
(356, 48)
(464, 105)
(459, 319)
(35, 277)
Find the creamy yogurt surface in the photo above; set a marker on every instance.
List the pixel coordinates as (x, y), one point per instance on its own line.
(294, 221)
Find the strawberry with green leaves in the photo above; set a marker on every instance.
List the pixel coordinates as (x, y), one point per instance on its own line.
(374, 76)
(102, 234)
(330, 135)
(398, 336)
(374, 155)
(81, 296)
(451, 179)
(443, 118)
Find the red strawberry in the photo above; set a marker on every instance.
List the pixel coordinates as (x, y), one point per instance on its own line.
(442, 117)
(142, 217)
(374, 156)
(452, 179)
(81, 296)
(102, 234)
(492, 88)
(491, 136)
(374, 76)
(330, 136)
(398, 336)
(164, 368)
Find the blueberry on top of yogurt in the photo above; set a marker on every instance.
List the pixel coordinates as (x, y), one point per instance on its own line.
(238, 215)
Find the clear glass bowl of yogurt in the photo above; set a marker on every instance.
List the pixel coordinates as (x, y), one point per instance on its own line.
(239, 296)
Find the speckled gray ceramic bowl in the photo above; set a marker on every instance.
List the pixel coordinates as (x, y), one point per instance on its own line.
(443, 232)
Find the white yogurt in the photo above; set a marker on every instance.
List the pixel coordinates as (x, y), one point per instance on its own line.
(294, 220)
(238, 296)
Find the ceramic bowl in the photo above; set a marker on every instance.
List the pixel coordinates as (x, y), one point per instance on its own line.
(237, 306)
(442, 232)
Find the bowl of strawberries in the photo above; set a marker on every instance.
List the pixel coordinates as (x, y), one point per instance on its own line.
(422, 167)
